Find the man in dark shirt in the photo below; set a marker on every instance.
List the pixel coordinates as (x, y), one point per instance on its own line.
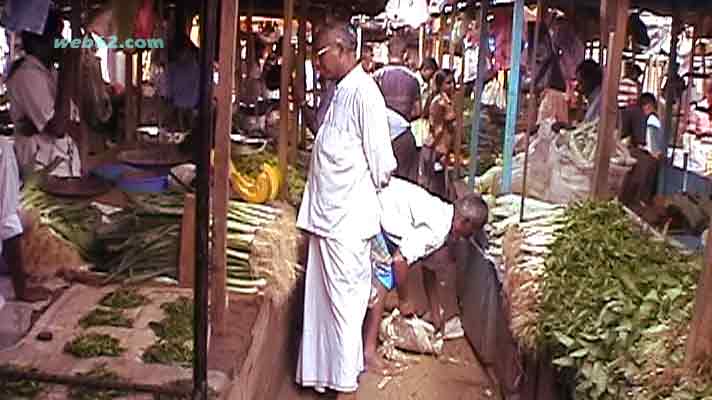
(401, 90)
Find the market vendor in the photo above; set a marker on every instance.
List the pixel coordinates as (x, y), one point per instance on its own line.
(589, 78)
(179, 85)
(415, 225)
(39, 107)
(11, 226)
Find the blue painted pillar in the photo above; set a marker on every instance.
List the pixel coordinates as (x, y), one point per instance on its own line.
(479, 87)
(513, 94)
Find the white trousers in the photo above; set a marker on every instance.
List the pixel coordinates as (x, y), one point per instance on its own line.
(338, 287)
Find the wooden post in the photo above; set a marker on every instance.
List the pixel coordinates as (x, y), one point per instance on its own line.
(284, 137)
(439, 39)
(130, 111)
(532, 103)
(479, 86)
(206, 127)
(251, 56)
(670, 96)
(609, 104)
(75, 98)
(186, 270)
(699, 342)
(513, 94)
(421, 44)
(460, 103)
(301, 79)
(221, 201)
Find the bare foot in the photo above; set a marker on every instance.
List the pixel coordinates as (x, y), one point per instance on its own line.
(375, 364)
(33, 294)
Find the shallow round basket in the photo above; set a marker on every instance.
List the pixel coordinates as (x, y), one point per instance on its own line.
(244, 146)
(87, 186)
(157, 156)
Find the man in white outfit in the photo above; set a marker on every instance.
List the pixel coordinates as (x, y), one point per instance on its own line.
(11, 225)
(352, 159)
(38, 105)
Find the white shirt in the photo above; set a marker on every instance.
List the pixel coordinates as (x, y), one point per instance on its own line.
(416, 221)
(32, 91)
(352, 157)
(10, 224)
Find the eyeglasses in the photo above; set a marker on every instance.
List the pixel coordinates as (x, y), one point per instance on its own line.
(323, 50)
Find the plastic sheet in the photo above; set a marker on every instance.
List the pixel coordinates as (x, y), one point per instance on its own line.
(414, 334)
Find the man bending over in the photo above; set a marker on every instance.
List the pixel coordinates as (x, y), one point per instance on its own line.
(415, 225)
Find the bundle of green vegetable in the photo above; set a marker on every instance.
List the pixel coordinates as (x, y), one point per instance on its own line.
(143, 242)
(71, 220)
(615, 308)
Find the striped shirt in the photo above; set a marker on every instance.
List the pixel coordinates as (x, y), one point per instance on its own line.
(628, 93)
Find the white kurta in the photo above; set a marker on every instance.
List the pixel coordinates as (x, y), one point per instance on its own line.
(10, 225)
(416, 221)
(32, 91)
(352, 157)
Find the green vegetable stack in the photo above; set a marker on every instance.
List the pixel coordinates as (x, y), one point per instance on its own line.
(615, 307)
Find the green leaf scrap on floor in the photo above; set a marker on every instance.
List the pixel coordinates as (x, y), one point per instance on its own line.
(106, 317)
(175, 335)
(94, 345)
(124, 299)
(101, 372)
(20, 390)
(616, 308)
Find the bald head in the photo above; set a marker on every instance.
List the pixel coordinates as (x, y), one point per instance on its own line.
(336, 48)
(340, 33)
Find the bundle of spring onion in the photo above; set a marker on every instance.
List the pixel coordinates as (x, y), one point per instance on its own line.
(611, 305)
(520, 247)
(70, 220)
(143, 242)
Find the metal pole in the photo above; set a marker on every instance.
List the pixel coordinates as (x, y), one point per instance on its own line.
(669, 95)
(532, 103)
(208, 39)
(479, 86)
(513, 95)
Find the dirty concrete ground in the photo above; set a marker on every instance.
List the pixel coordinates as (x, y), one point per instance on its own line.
(61, 319)
(456, 375)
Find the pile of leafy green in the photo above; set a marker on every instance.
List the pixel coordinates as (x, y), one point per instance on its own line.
(616, 308)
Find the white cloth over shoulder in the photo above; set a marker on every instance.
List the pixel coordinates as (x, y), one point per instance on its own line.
(338, 286)
(352, 157)
(416, 221)
(10, 224)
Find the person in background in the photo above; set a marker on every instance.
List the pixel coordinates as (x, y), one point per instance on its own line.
(180, 85)
(367, 62)
(438, 144)
(548, 80)
(11, 226)
(641, 182)
(631, 114)
(416, 226)
(39, 103)
(401, 90)
(572, 51)
(352, 159)
(589, 78)
(700, 121)
(421, 126)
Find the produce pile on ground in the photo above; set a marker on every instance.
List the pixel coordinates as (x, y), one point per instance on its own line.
(174, 343)
(143, 241)
(72, 221)
(613, 306)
